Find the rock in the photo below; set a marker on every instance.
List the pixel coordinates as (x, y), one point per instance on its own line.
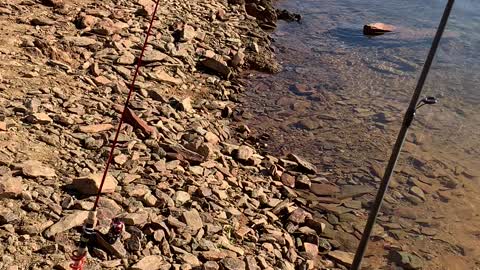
(33, 168)
(89, 185)
(164, 77)
(238, 59)
(75, 219)
(418, 192)
(181, 197)
(211, 266)
(213, 255)
(191, 260)
(210, 137)
(53, 3)
(126, 58)
(86, 21)
(251, 263)
(186, 105)
(243, 153)
(406, 260)
(153, 56)
(39, 118)
(10, 187)
(148, 7)
(375, 29)
(134, 219)
(42, 21)
(303, 165)
(188, 33)
(324, 189)
(96, 128)
(131, 118)
(80, 41)
(299, 216)
(217, 66)
(230, 263)
(152, 262)
(288, 180)
(303, 182)
(193, 220)
(311, 250)
(3, 126)
(342, 257)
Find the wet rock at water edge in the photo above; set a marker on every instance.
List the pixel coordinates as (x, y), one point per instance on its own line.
(375, 29)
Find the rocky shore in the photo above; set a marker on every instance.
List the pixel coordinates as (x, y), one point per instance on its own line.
(192, 190)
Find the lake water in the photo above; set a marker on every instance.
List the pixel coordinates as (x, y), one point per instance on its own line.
(340, 100)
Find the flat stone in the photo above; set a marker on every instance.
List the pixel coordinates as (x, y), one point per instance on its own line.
(75, 219)
(193, 220)
(288, 180)
(116, 249)
(217, 66)
(152, 262)
(10, 187)
(39, 118)
(90, 185)
(233, 264)
(153, 56)
(34, 168)
(214, 255)
(42, 21)
(342, 257)
(96, 128)
(162, 76)
(134, 219)
(127, 58)
(210, 137)
(303, 165)
(80, 41)
(324, 189)
(135, 121)
(418, 192)
(191, 260)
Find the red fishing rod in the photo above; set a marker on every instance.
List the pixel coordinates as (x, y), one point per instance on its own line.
(79, 255)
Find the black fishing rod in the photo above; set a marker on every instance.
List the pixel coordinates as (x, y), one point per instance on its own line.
(407, 121)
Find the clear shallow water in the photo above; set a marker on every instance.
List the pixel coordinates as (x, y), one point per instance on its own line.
(340, 100)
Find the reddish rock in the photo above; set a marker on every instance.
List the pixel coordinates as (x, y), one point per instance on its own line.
(375, 29)
(299, 216)
(131, 118)
(288, 180)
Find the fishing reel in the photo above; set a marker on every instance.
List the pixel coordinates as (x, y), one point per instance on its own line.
(116, 229)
